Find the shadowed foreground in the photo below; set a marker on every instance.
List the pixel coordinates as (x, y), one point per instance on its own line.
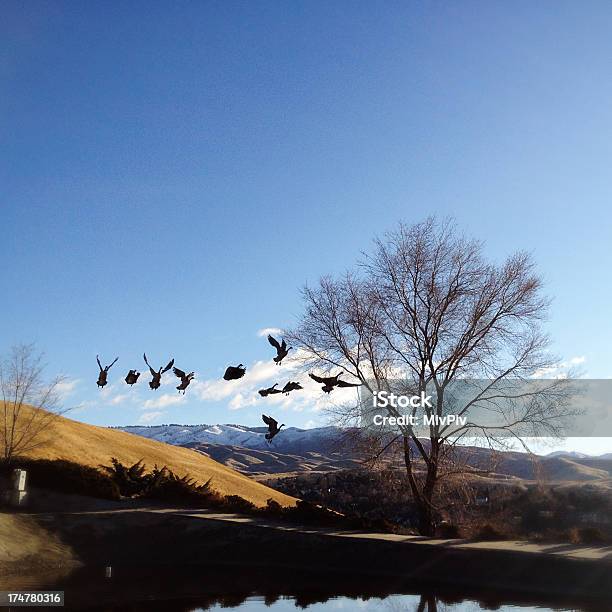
(202, 554)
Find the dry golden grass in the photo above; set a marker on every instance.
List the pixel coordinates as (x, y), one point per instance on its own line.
(21, 538)
(93, 446)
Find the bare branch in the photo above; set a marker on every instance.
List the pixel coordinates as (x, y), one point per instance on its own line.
(29, 404)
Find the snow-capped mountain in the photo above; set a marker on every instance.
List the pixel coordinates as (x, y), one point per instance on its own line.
(301, 450)
(292, 438)
(570, 455)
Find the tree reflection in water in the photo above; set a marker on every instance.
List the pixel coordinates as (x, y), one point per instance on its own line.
(185, 589)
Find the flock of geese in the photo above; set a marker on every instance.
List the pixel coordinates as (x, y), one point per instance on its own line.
(231, 373)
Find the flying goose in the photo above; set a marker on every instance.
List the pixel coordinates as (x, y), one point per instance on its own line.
(234, 372)
(281, 349)
(291, 386)
(132, 377)
(329, 382)
(185, 379)
(269, 391)
(155, 382)
(273, 427)
(102, 377)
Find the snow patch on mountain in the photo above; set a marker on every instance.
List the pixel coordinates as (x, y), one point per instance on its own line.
(236, 435)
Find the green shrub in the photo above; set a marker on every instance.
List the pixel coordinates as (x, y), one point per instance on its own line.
(130, 480)
(273, 507)
(160, 484)
(165, 485)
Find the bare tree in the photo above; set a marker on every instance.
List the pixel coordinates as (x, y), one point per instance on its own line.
(428, 310)
(29, 403)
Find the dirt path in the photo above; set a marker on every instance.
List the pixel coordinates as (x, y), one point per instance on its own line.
(570, 551)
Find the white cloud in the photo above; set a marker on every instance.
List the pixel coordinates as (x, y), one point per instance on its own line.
(66, 388)
(108, 391)
(163, 401)
(242, 393)
(269, 330)
(147, 417)
(119, 393)
(216, 389)
(563, 369)
(545, 372)
(241, 401)
(119, 399)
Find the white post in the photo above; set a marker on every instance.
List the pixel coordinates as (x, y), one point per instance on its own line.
(19, 493)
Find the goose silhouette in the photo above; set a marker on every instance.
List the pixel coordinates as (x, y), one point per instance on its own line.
(234, 372)
(103, 376)
(132, 377)
(155, 382)
(281, 349)
(185, 379)
(291, 386)
(273, 427)
(269, 391)
(330, 382)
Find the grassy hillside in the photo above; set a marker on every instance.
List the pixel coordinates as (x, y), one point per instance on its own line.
(507, 465)
(91, 445)
(263, 463)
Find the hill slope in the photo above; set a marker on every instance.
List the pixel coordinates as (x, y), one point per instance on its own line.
(262, 463)
(91, 445)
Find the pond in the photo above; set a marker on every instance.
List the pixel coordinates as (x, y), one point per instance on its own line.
(187, 589)
(391, 603)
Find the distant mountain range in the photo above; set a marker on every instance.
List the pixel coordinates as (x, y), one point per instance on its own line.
(246, 450)
(570, 454)
(297, 451)
(290, 440)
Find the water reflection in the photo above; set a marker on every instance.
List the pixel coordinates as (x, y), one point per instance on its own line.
(391, 603)
(185, 589)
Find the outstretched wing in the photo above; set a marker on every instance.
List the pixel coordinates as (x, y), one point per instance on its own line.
(153, 372)
(317, 378)
(343, 383)
(179, 373)
(168, 366)
(99, 364)
(269, 421)
(274, 342)
(112, 364)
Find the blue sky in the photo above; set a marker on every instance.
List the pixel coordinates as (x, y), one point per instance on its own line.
(170, 175)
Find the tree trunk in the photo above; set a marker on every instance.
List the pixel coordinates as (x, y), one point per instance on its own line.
(423, 497)
(427, 603)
